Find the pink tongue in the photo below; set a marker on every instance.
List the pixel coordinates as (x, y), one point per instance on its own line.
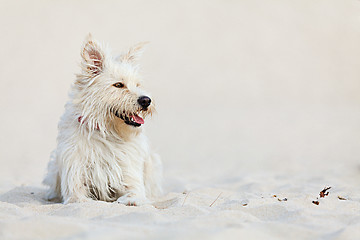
(138, 119)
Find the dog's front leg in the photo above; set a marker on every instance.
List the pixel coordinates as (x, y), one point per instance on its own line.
(72, 187)
(153, 176)
(134, 184)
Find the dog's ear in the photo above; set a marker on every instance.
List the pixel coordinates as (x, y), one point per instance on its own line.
(92, 56)
(134, 53)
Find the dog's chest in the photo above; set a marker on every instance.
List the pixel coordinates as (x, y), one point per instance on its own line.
(114, 153)
(110, 162)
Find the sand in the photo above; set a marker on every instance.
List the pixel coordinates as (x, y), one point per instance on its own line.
(258, 111)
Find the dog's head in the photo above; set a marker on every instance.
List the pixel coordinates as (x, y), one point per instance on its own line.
(109, 87)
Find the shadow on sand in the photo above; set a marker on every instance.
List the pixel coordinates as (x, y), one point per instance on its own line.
(26, 195)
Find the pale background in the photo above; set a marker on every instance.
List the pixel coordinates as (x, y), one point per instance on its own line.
(241, 87)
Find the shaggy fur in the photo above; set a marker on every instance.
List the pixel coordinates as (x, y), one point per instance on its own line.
(102, 152)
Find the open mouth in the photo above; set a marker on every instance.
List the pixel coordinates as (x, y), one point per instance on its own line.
(132, 120)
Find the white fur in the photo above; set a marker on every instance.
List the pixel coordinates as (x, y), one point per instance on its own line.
(101, 157)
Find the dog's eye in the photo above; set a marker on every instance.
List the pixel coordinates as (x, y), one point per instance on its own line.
(118, 85)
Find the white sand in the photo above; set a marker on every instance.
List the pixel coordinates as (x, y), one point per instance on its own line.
(255, 99)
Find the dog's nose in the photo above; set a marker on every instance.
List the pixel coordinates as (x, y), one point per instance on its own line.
(144, 101)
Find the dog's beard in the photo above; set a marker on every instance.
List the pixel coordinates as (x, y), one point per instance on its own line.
(130, 119)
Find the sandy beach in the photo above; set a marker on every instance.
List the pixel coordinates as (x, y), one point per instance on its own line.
(258, 111)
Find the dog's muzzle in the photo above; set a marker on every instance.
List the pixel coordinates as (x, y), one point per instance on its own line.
(134, 119)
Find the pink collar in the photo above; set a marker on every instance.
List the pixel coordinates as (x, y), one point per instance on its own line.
(82, 122)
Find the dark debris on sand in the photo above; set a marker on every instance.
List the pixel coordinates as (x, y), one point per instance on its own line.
(324, 192)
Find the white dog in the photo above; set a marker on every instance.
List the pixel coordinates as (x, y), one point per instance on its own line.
(102, 152)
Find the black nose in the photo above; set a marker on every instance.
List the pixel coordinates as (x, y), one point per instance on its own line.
(144, 101)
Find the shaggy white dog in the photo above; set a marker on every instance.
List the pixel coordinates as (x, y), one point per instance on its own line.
(102, 152)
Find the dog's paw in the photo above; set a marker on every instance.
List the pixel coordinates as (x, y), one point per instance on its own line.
(132, 200)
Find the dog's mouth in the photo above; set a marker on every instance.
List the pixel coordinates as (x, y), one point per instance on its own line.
(132, 119)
